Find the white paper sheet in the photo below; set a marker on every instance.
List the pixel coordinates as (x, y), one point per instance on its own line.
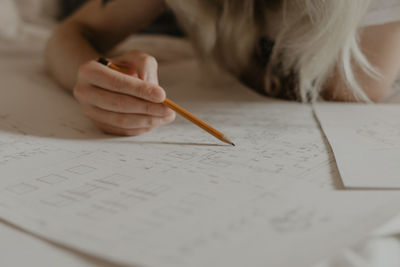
(366, 142)
(19, 249)
(177, 196)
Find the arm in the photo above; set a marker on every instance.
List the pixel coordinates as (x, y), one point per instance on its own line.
(381, 46)
(117, 103)
(94, 30)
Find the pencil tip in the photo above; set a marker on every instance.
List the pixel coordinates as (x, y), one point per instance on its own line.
(233, 144)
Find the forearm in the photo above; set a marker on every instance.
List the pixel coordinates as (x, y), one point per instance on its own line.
(66, 50)
(93, 29)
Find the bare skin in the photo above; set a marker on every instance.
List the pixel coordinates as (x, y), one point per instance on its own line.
(117, 103)
(381, 46)
(131, 104)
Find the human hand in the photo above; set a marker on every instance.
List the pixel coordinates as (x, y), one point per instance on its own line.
(128, 103)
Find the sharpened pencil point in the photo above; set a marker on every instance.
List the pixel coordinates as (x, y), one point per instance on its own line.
(226, 140)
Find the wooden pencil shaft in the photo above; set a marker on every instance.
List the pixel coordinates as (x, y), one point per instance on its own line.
(186, 114)
(180, 110)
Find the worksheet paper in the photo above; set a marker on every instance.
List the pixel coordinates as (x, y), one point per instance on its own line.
(19, 249)
(177, 196)
(366, 142)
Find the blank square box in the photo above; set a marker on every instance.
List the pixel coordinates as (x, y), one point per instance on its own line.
(87, 190)
(21, 189)
(59, 201)
(81, 169)
(97, 213)
(116, 179)
(52, 179)
(153, 189)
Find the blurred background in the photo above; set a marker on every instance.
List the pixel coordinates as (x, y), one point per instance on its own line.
(15, 15)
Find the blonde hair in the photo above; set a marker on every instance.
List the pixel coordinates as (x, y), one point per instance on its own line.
(316, 38)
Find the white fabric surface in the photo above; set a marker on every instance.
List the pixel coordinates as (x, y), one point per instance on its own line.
(37, 11)
(21, 19)
(9, 19)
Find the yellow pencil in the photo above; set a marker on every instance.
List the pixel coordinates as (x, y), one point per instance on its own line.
(181, 111)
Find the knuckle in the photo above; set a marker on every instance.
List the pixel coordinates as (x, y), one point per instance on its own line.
(148, 107)
(150, 61)
(143, 57)
(144, 91)
(135, 52)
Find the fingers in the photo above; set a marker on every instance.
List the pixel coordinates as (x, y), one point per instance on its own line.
(106, 78)
(124, 120)
(146, 66)
(120, 103)
(127, 103)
